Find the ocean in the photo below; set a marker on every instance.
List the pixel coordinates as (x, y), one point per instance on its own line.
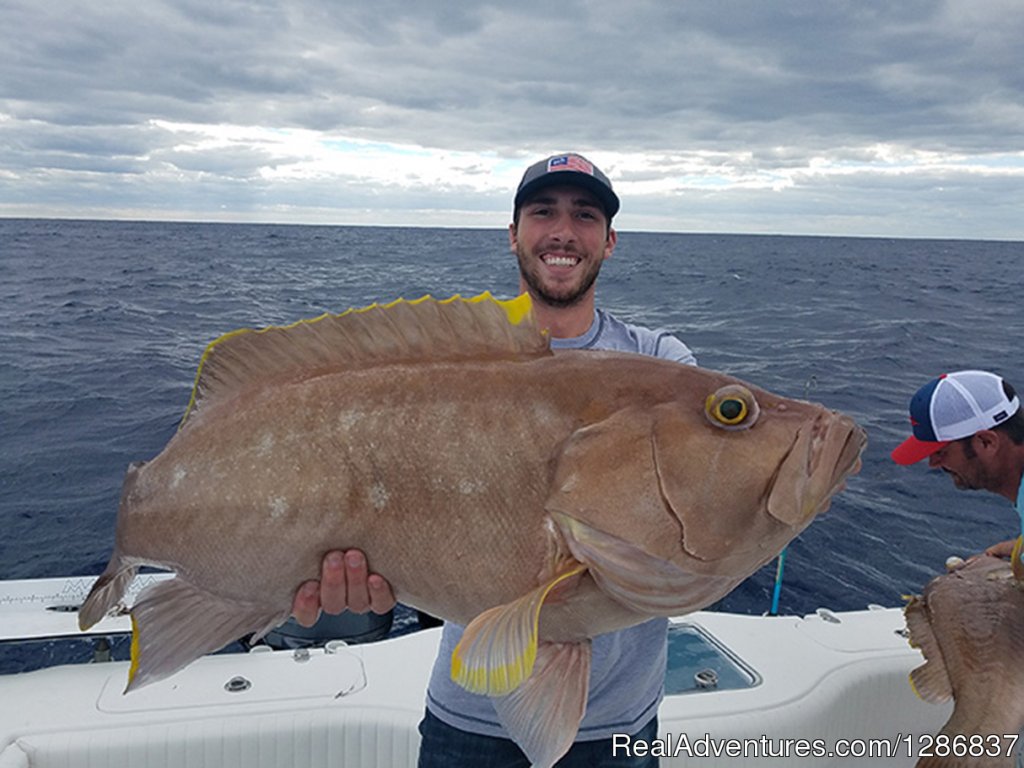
(102, 325)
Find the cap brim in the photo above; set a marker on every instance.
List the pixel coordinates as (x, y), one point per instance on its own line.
(912, 450)
(609, 200)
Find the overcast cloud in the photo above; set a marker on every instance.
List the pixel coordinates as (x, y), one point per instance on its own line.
(866, 118)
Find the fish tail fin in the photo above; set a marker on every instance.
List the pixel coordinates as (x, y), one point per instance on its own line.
(106, 592)
(174, 623)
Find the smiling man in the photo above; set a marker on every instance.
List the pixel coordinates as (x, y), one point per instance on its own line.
(561, 233)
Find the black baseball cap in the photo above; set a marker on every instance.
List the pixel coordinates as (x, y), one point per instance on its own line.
(570, 169)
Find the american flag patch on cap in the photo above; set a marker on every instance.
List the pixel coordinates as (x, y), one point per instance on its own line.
(570, 163)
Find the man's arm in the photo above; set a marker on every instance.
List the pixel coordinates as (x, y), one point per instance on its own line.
(345, 583)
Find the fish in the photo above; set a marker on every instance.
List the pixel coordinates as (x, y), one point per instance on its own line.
(969, 625)
(539, 497)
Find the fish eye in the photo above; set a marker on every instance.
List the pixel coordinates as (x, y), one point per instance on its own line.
(732, 407)
(730, 411)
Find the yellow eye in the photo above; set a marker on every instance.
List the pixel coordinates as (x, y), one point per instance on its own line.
(732, 407)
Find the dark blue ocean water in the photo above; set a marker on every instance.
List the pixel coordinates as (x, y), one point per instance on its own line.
(102, 325)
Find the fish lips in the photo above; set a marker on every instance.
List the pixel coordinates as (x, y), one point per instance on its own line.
(824, 453)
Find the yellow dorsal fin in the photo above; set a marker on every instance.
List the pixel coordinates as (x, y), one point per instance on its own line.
(425, 329)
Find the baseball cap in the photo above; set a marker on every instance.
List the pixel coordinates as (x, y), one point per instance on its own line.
(951, 407)
(568, 169)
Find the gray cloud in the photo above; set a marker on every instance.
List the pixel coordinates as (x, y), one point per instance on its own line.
(753, 96)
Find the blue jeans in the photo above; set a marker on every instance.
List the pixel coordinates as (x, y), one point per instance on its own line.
(443, 746)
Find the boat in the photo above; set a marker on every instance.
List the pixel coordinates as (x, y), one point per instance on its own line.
(823, 689)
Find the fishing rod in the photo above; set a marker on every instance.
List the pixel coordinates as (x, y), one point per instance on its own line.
(780, 564)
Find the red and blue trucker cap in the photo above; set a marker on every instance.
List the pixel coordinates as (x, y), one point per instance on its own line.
(571, 169)
(951, 407)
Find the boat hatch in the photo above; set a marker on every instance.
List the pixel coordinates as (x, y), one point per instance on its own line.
(697, 662)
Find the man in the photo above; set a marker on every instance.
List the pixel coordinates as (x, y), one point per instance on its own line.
(561, 234)
(970, 425)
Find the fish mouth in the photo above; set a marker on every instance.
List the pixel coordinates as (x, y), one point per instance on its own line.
(856, 441)
(848, 462)
(824, 453)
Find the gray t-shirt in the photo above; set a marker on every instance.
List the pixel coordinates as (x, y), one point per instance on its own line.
(627, 668)
(608, 332)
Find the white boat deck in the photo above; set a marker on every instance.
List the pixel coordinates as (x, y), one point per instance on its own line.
(358, 706)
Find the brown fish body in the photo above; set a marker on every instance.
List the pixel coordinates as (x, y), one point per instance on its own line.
(315, 465)
(490, 481)
(456, 500)
(969, 624)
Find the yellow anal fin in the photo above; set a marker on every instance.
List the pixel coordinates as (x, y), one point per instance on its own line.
(499, 647)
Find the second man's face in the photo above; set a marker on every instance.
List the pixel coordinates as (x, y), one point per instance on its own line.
(967, 470)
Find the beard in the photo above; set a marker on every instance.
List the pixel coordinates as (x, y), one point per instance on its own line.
(961, 483)
(559, 296)
(975, 483)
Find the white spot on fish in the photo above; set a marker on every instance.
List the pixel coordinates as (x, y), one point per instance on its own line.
(467, 486)
(379, 496)
(278, 507)
(349, 419)
(266, 445)
(177, 476)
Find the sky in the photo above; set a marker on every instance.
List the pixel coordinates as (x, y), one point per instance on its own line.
(827, 117)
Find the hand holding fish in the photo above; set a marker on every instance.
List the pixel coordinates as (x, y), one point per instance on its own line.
(345, 584)
(1001, 549)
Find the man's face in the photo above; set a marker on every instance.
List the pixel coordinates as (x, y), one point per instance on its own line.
(967, 468)
(561, 241)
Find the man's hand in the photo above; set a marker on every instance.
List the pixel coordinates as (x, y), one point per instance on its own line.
(1003, 549)
(345, 583)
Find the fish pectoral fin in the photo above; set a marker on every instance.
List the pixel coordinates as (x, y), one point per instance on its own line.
(498, 648)
(174, 623)
(543, 714)
(930, 681)
(635, 578)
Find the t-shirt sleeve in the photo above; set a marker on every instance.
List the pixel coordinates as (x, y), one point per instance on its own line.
(669, 347)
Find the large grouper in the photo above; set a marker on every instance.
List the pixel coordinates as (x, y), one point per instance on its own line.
(539, 497)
